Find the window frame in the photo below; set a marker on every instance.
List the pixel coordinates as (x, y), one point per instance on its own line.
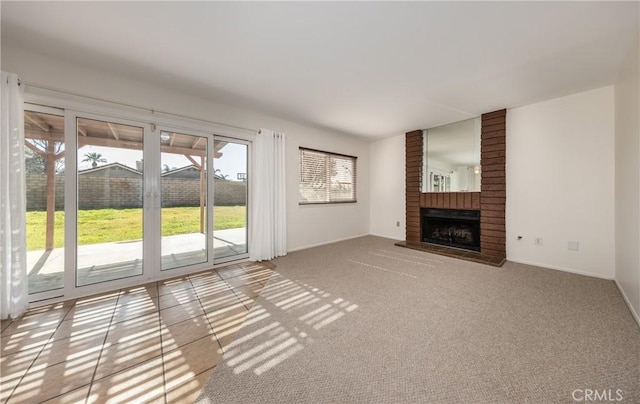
(329, 155)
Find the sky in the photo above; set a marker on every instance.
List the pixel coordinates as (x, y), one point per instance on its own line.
(232, 162)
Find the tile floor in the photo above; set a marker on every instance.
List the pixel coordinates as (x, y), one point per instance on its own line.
(153, 343)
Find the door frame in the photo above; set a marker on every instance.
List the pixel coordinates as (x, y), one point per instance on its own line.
(71, 106)
(249, 205)
(209, 207)
(149, 200)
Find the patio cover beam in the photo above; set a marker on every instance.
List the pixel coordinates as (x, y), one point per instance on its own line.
(104, 142)
(113, 131)
(39, 122)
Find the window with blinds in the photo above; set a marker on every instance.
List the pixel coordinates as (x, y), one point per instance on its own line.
(326, 177)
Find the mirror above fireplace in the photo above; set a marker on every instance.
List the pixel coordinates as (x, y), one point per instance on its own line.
(451, 160)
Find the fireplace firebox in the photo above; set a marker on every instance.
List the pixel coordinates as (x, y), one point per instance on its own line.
(451, 227)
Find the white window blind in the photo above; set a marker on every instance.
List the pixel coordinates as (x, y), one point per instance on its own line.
(326, 177)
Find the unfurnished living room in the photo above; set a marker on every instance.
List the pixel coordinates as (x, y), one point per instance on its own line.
(320, 202)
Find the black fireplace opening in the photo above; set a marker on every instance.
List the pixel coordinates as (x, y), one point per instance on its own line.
(451, 227)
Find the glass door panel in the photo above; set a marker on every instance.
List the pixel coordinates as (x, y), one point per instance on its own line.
(110, 182)
(44, 165)
(183, 179)
(230, 199)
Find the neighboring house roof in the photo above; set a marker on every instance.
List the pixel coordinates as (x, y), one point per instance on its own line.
(110, 167)
(188, 172)
(183, 172)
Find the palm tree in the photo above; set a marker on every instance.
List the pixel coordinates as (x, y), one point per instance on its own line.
(219, 174)
(94, 158)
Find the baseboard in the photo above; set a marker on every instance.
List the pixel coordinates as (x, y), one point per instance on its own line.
(563, 269)
(634, 314)
(325, 243)
(384, 236)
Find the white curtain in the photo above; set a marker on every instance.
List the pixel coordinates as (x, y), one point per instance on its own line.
(13, 244)
(268, 221)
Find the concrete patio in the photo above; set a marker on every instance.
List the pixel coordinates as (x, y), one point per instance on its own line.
(109, 261)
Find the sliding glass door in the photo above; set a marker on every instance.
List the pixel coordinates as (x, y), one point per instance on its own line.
(44, 151)
(230, 199)
(114, 202)
(110, 201)
(184, 189)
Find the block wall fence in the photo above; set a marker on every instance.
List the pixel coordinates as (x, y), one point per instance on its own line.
(119, 193)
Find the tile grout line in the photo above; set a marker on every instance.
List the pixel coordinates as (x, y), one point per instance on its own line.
(50, 339)
(95, 370)
(195, 291)
(240, 299)
(70, 391)
(162, 350)
(164, 375)
(234, 291)
(256, 297)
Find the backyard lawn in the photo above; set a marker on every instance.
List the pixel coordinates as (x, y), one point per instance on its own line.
(108, 225)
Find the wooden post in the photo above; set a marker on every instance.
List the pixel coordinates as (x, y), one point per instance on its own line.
(51, 193)
(202, 194)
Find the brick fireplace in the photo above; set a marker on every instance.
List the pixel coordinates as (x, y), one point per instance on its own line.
(490, 201)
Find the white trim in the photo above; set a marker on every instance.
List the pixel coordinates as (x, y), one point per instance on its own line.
(231, 258)
(43, 109)
(634, 314)
(327, 242)
(248, 204)
(562, 269)
(71, 287)
(209, 186)
(48, 97)
(53, 293)
(70, 204)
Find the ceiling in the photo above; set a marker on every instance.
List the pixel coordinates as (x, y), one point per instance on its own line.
(365, 68)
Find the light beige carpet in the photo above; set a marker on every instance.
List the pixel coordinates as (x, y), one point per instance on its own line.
(364, 321)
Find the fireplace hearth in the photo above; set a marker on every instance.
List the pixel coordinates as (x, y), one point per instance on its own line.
(451, 227)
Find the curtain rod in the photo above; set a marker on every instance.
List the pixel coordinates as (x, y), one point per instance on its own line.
(152, 111)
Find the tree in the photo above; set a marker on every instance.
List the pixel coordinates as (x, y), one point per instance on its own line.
(35, 162)
(94, 158)
(219, 174)
(166, 168)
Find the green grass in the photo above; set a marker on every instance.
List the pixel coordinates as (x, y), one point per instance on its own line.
(109, 225)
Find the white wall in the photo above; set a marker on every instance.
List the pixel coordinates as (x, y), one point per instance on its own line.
(560, 183)
(306, 225)
(627, 153)
(387, 187)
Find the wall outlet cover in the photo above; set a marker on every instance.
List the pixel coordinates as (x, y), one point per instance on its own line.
(573, 245)
(537, 241)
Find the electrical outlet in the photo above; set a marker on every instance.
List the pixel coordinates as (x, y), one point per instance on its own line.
(537, 241)
(519, 238)
(397, 224)
(573, 245)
